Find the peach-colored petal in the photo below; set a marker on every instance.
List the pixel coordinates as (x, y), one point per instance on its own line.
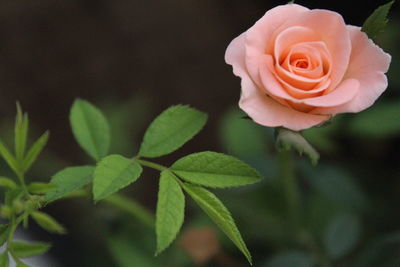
(269, 80)
(341, 95)
(311, 73)
(296, 80)
(344, 93)
(321, 64)
(235, 55)
(301, 94)
(266, 111)
(332, 30)
(291, 36)
(258, 37)
(290, 82)
(274, 86)
(368, 63)
(317, 57)
(316, 53)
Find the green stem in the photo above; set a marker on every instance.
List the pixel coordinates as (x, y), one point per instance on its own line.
(150, 164)
(125, 204)
(77, 193)
(308, 241)
(293, 201)
(289, 186)
(12, 229)
(14, 224)
(21, 179)
(131, 207)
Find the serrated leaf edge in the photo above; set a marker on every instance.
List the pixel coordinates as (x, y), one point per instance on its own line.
(158, 250)
(232, 225)
(150, 129)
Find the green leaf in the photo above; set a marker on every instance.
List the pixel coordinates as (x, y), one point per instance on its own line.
(380, 121)
(40, 188)
(382, 252)
(113, 173)
(322, 138)
(35, 150)
(342, 235)
(7, 182)
(127, 252)
(318, 213)
(377, 21)
(69, 180)
(4, 230)
(6, 211)
(130, 206)
(21, 132)
(26, 250)
(8, 157)
(338, 186)
(170, 210)
(13, 195)
(48, 223)
(233, 130)
(290, 259)
(90, 129)
(286, 139)
(215, 170)
(170, 130)
(4, 259)
(219, 214)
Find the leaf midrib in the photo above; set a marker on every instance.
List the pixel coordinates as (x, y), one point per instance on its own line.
(213, 173)
(238, 241)
(107, 188)
(178, 129)
(63, 190)
(165, 212)
(91, 134)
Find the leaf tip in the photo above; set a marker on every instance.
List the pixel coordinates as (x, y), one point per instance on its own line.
(158, 252)
(287, 139)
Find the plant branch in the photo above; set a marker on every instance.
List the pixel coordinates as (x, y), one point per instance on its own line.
(289, 186)
(151, 165)
(293, 201)
(21, 180)
(123, 203)
(131, 207)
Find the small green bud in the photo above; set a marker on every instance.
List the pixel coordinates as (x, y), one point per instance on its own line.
(5, 212)
(18, 206)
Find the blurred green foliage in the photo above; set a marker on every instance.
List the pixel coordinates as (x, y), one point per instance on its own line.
(335, 205)
(349, 202)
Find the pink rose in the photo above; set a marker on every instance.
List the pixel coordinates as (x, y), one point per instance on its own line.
(300, 66)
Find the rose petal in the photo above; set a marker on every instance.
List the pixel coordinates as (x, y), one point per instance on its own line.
(298, 81)
(235, 54)
(291, 36)
(341, 95)
(344, 93)
(258, 37)
(317, 51)
(319, 60)
(301, 94)
(368, 63)
(269, 81)
(273, 85)
(333, 32)
(266, 111)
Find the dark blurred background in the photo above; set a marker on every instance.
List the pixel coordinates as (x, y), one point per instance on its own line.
(135, 58)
